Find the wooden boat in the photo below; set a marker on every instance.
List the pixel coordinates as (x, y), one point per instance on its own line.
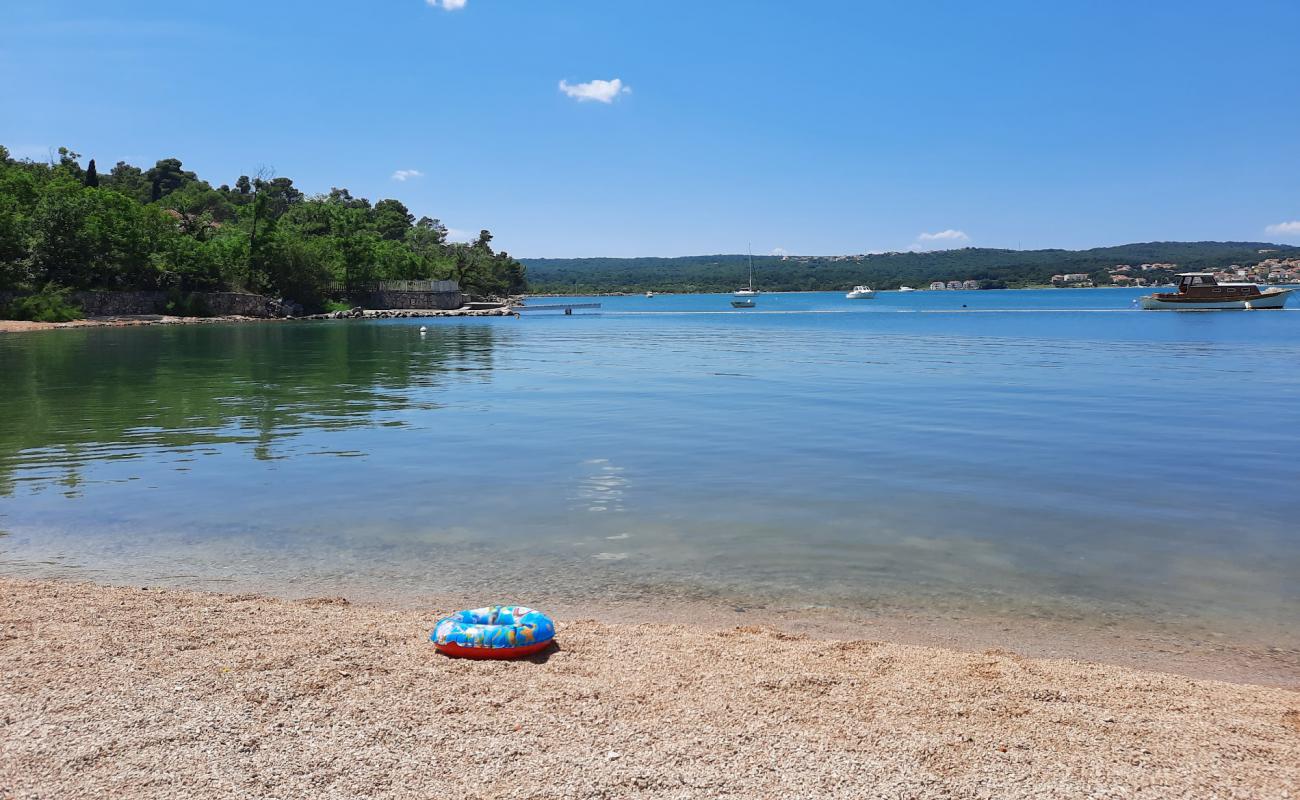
(1199, 291)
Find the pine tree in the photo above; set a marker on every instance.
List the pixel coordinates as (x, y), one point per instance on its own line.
(92, 177)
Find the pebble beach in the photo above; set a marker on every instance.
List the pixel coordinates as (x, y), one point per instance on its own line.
(146, 693)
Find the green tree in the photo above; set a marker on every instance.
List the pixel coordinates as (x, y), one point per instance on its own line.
(128, 180)
(168, 175)
(344, 198)
(199, 209)
(95, 238)
(13, 243)
(392, 219)
(278, 196)
(62, 226)
(69, 163)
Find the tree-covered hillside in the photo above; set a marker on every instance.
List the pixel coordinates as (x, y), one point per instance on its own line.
(722, 273)
(66, 225)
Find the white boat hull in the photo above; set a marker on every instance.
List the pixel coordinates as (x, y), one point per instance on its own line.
(860, 295)
(1273, 298)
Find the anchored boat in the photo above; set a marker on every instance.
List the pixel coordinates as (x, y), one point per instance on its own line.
(1199, 291)
(744, 296)
(861, 293)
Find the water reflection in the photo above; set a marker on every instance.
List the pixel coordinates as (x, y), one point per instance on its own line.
(602, 488)
(1019, 464)
(79, 397)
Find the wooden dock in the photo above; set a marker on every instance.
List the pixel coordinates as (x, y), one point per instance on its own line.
(567, 308)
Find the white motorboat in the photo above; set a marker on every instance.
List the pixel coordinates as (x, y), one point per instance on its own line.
(861, 293)
(649, 294)
(906, 289)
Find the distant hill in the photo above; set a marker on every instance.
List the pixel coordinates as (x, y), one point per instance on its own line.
(1012, 268)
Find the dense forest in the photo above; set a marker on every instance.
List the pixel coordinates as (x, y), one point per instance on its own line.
(68, 226)
(993, 268)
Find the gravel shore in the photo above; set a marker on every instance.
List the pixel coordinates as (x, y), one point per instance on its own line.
(122, 321)
(142, 693)
(134, 320)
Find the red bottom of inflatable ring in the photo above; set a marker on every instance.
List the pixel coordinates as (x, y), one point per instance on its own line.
(497, 653)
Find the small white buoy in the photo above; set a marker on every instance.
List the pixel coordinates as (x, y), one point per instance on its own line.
(423, 329)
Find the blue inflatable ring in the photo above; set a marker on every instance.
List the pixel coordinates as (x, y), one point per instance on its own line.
(493, 632)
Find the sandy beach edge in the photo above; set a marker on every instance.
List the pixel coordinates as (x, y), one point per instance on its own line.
(133, 692)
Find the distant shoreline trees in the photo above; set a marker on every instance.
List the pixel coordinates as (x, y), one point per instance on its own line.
(990, 267)
(166, 228)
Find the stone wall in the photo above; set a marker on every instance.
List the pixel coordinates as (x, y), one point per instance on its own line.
(247, 305)
(112, 304)
(421, 300)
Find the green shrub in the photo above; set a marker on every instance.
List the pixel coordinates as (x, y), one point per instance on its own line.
(336, 305)
(50, 304)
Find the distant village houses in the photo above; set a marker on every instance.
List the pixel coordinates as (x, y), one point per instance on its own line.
(951, 285)
(1270, 270)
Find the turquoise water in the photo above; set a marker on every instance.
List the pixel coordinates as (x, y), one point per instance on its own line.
(1046, 454)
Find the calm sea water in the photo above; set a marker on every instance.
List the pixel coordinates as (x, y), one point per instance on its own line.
(1032, 453)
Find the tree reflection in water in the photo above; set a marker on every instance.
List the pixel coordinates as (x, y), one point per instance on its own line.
(71, 398)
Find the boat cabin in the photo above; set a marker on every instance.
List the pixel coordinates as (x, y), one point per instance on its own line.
(1203, 285)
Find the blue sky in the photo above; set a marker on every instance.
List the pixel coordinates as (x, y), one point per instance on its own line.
(813, 127)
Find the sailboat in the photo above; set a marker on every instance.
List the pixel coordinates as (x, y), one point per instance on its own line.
(744, 297)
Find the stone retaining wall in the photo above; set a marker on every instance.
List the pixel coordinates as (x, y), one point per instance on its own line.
(444, 301)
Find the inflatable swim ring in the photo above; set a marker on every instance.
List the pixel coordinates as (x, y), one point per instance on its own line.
(493, 632)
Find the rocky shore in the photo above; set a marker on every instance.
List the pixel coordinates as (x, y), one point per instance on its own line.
(130, 320)
(361, 313)
(123, 321)
(138, 692)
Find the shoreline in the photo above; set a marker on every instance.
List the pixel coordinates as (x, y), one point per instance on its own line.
(149, 693)
(1258, 648)
(135, 320)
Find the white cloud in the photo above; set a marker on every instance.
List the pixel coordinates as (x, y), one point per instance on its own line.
(946, 239)
(406, 174)
(1285, 228)
(598, 90)
(949, 235)
(447, 5)
(780, 251)
(457, 235)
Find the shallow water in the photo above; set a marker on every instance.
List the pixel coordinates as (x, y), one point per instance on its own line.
(1030, 454)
